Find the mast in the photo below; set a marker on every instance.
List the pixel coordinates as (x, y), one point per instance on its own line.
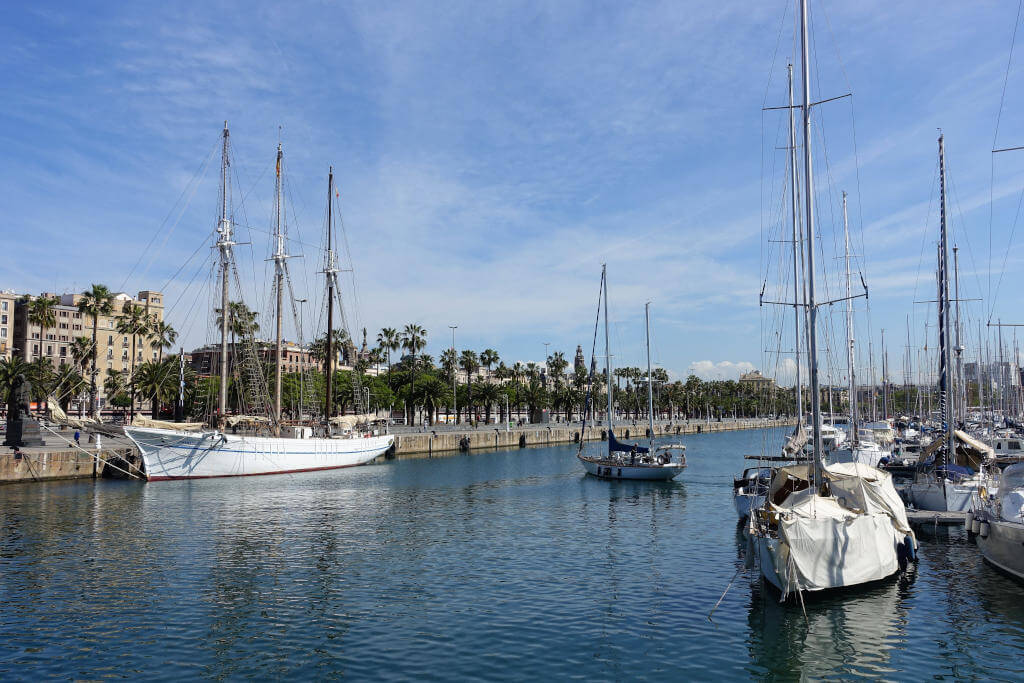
(812, 337)
(796, 252)
(1000, 384)
(650, 379)
(330, 271)
(945, 347)
(961, 386)
(607, 350)
(279, 260)
(885, 380)
(224, 245)
(850, 368)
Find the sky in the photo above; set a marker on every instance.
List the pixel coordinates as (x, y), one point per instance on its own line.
(490, 157)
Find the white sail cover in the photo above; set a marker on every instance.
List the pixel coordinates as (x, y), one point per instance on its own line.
(845, 539)
(350, 421)
(143, 421)
(795, 442)
(234, 420)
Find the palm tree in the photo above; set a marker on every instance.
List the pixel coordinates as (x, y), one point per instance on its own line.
(41, 312)
(414, 338)
(163, 337)
(556, 366)
(389, 340)
(489, 394)
(157, 382)
(469, 362)
(95, 302)
(81, 352)
(42, 376)
(241, 322)
(69, 380)
(9, 369)
(134, 322)
(114, 385)
(488, 357)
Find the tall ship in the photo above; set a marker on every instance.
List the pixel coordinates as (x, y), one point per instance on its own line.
(176, 450)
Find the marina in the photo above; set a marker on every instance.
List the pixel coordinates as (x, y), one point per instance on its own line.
(302, 375)
(505, 564)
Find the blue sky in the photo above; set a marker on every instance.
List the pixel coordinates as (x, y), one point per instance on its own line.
(490, 156)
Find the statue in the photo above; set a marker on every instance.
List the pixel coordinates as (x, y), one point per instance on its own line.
(22, 430)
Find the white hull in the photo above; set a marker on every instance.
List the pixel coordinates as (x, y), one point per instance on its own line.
(870, 456)
(958, 497)
(170, 454)
(607, 469)
(1004, 546)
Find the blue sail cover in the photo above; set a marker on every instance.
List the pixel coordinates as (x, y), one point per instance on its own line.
(616, 445)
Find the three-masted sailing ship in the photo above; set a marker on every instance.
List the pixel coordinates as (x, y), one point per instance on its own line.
(197, 450)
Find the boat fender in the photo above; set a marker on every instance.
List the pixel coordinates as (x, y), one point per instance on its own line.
(968, 521)
(575, 437)
(522, 440)
(983, 531)
(975, 526)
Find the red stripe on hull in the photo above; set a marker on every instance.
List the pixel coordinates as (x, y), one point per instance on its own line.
(256, 474)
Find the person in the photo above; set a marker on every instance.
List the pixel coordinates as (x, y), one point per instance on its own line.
(78, 435)
(632, 455)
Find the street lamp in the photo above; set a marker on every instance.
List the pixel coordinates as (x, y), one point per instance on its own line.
(455, 375)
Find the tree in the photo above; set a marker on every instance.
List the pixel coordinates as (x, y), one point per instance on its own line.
(68, 383)
(389, 340)
(9, 369)
(414, 338)
(41, 312)
(114, 386)
(157, 381)
(95, 302)
(488, 357)
(489, 394)
(163, 337)
(556, 367)
(133, 322)
(469, 362)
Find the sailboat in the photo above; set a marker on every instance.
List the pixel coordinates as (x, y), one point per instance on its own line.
(998, 523)
(193, 451)
(826, 527)
(622, 460)
(947, 485)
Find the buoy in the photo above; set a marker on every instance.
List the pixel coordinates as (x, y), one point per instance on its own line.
(983, 530)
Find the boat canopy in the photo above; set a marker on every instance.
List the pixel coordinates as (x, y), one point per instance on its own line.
(350, 421)
(616, 445)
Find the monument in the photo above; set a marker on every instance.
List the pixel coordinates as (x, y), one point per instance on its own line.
(22, 430)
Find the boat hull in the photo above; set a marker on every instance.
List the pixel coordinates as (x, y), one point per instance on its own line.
(930, 495)
(170, 454)
(745, 502)
(1003, 547)
(606, 469)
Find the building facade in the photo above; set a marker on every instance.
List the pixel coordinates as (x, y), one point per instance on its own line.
(55, 343)
(8, 301)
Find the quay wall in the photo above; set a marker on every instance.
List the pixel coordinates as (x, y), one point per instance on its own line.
(429, 442)
(48, 464)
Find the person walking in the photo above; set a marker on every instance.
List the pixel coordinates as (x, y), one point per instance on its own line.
(78, 435)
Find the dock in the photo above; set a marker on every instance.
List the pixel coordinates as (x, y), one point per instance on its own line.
(922, 517)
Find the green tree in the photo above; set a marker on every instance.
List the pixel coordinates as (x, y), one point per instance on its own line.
(157, 381)
(133, 322)
(389, 340)
(96, 301)
(68, 383)
(414, 339)
(42, 311)
(163, 337)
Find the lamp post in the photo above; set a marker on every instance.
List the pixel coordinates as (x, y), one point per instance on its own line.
(455, 376)
(547, 370)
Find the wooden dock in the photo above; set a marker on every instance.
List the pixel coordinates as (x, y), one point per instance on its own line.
(921, 517)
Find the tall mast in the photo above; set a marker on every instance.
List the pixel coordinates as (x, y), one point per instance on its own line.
(607, 349)
(650, 380)
(885, 379)
(850, 368)
(796, 252)
(945, 347)
(330, 270)
(961, 386)
(224, 244)
(1000, 384)
(279, 261)
(812, 337)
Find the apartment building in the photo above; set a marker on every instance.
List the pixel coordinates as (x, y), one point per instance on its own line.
(8, 299)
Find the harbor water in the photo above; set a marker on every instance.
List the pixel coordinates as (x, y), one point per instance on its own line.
(504, 564)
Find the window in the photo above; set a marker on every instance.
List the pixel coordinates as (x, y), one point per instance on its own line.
(35, 349)
(3, 306)
(35, 335)
(125, 342)
(63, 352)
(63, 337)
(1014, 445)
(50, 337)
(110, 340)
(140, 355)
(3, 319)
(76, 326)
(124, 355)
(110, 354)
(49, 349)
(3, 333)
(63, 326)
(110, 366)
(63, 314)
(110, 324)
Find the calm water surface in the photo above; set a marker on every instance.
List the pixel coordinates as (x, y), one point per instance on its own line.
(498, 565)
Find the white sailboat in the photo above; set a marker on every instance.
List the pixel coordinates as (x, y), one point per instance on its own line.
(998, 523)
(175, 451)
(946, 486)
(623, 461)
(826, 527)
